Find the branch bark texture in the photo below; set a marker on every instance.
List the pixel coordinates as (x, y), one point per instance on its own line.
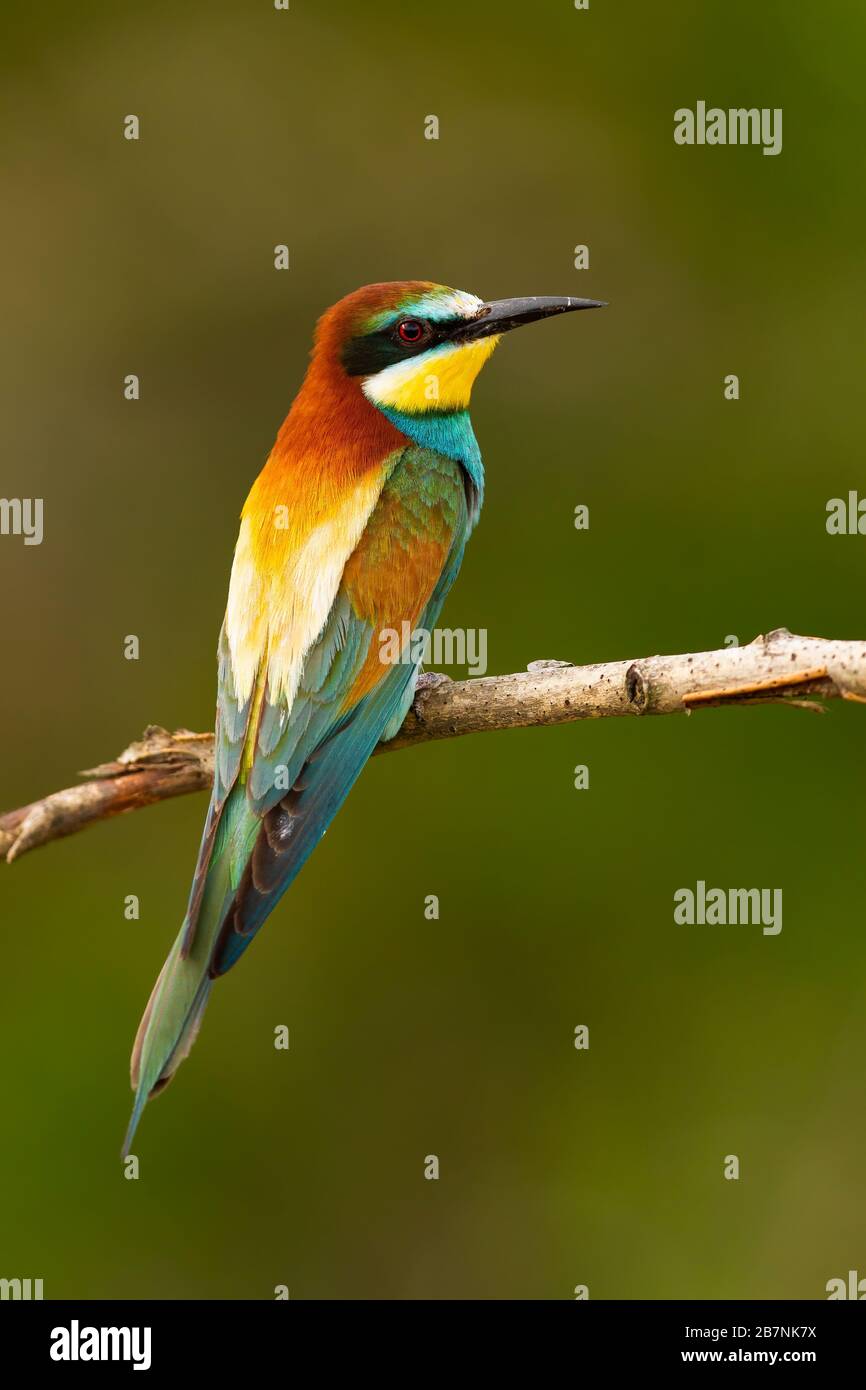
(776, 668)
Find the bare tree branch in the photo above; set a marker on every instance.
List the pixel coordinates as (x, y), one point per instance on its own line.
(779, 668)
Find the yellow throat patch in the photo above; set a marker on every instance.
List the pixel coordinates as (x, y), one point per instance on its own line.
(441, 379)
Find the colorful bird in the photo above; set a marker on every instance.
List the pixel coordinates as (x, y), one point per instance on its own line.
(356, 526)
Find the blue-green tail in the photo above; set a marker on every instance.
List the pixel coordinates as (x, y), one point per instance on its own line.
(174, 1012)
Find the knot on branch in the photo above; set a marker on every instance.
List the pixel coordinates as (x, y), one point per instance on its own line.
(535, 667)
(637, 689)
(427, 682)
(777, 634)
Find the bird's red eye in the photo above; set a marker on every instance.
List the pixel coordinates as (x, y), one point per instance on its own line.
(410, 330)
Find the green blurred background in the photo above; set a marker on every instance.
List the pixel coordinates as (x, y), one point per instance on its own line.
(707, 519)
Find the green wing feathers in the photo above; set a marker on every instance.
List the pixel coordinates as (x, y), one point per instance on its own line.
(282, 772)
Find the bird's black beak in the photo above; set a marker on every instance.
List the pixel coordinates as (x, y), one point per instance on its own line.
(502, 314)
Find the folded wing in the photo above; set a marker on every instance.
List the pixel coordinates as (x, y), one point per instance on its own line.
(285, 762)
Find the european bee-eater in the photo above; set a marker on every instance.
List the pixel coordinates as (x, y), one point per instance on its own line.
(356, 526)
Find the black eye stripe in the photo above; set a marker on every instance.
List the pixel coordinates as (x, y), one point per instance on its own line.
(369, 353)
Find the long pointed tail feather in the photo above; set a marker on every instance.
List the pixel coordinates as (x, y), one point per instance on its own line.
(167, 1031)
(174, 1012)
